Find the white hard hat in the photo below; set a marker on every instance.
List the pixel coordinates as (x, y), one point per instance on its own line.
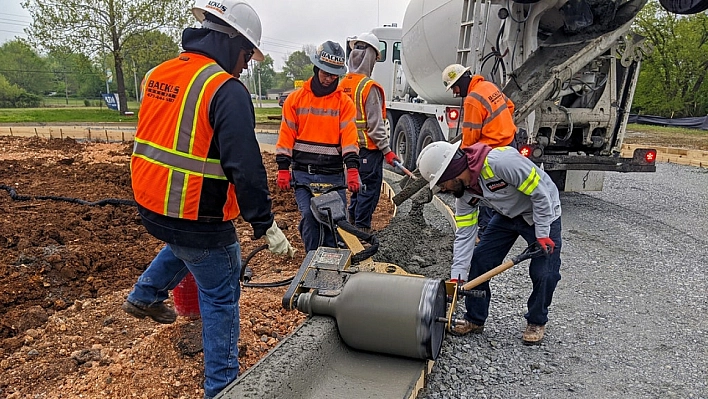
(434, 159)
(237, 14)
(452, 73)
(368, 38)
(329, 57)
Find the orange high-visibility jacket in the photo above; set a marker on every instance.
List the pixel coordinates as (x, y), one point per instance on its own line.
(169, 163)
(357, 86)
(317, 131)
(488, 115)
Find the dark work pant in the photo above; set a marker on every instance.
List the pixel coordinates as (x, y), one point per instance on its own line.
(483, 218)
(313, 233)
(494, 246)
(363, 204)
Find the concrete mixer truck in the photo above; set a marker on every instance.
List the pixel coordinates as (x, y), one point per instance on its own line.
(570, 67)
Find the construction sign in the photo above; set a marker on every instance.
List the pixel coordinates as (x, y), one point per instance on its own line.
(299, 83)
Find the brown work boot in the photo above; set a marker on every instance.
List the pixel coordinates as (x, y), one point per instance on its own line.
(466, 328)
(159, 312)
(533, 334)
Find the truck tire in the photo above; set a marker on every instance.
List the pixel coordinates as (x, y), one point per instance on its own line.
(429, 132)
(405, 138)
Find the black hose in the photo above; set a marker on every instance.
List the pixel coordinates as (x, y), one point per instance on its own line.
(245, 276)
(370, 238)
(109, 201)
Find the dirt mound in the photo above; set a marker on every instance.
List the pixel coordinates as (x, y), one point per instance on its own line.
(66, 267)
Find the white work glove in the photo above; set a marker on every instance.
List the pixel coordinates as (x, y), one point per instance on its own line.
(277, 243)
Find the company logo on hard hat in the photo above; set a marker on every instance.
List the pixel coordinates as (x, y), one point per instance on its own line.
(216, 6)
(330, 58)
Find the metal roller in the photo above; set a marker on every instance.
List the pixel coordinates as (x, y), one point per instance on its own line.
(382, 313)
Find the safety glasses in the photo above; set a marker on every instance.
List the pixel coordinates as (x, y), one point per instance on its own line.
(248, 53)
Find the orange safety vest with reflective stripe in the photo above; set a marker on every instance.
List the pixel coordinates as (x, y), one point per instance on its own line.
(357, 86)
(489, 115)
(170, 156)
(317, 131)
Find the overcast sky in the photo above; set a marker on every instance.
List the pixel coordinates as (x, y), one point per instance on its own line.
(287, 24)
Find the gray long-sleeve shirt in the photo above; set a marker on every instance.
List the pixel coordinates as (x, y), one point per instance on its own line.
(512, 185)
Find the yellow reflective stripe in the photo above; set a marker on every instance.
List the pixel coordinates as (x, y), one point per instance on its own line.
(530, 183)
(183, 196)
(486, 171)
(196, 112)
(166, 201)
(361, 114)
(185, 100)
(506, 147)
(177, 160)
(466, 220)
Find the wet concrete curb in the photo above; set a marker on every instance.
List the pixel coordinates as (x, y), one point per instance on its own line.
(313, 362)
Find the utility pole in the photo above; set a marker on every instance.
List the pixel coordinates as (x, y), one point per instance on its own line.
(260, 99)
(66, 89)
(135, 78)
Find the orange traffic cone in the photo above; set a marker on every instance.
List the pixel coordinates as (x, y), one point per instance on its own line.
(186, 297)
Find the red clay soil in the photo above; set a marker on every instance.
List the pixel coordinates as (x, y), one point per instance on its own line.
(66, 267)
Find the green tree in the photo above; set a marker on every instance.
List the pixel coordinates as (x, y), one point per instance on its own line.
(23, 67)
(75, 74)
(298, 66)
(13, 96)
(672, 79)
(98, 27)
(146, 50)
(260, 73)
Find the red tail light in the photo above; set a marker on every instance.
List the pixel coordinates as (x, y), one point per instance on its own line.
(526, 150)
(452, 115)
(650, 156)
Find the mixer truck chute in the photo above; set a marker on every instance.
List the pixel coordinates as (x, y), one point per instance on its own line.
(570, 67)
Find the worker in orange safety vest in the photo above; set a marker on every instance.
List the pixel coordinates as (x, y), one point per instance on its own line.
(196, 166)
(374, 148)
(488, 116)
(317, 139)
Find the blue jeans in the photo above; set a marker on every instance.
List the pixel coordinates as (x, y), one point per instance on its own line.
(313, 233)
(216, 272)
(363, 204)
(494, 246)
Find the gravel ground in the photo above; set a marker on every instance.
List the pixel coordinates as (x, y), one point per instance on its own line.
(629, 316)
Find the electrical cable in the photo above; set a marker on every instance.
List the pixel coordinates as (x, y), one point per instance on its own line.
(109, 201)
(247, 273)
(115, 201)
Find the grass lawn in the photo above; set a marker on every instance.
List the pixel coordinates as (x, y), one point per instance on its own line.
(62, 114)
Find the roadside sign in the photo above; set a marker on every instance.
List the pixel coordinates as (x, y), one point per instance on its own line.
(111, 100)
(299, 83)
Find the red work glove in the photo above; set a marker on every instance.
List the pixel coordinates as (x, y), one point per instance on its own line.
(546, 244)
(284, 179)
(353, 180)
(390, 157)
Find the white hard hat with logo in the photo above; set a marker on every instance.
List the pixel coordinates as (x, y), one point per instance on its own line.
(368, 38)
(452, 73)
(238, 14)
(329, 57)
(434, 159)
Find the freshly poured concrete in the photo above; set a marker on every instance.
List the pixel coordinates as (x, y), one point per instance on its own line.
(314, 363)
